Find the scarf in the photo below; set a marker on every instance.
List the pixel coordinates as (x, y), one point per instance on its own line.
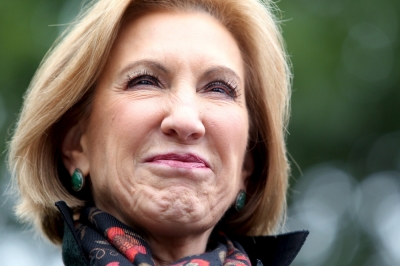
(108, 242)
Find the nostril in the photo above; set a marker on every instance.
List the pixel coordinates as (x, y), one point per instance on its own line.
(170, 132)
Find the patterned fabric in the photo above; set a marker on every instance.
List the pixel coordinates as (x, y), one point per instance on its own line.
(108, 242)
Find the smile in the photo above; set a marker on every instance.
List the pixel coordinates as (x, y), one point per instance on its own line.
(188, 161)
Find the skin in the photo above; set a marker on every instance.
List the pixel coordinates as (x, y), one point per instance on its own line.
(173, 87)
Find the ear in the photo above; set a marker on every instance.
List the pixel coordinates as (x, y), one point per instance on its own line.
(74, 150)
(247, 170)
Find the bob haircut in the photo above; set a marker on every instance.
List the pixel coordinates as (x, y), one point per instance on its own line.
(60, 95)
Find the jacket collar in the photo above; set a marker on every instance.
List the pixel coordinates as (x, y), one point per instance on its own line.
(273, 250)
(277, 250)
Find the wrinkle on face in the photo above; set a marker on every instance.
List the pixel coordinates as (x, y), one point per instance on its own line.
(126, 125)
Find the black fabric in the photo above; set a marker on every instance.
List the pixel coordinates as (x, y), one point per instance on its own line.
(262, 251)
(277, 250)
(72, 252)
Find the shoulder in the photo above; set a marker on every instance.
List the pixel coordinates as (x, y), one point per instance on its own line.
(277, 250)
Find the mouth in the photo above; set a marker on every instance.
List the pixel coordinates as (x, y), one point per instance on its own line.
(188, 161)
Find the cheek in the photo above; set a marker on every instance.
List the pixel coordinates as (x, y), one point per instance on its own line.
(230, 130)
(123, 121)
(229, 136)
(118, 131)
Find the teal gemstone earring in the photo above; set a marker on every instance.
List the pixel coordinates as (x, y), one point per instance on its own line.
(77, 180)
(240, 200)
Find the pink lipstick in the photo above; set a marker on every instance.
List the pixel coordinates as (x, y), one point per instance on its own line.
(188, 161)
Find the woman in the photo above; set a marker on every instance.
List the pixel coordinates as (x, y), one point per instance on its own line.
(153, 121)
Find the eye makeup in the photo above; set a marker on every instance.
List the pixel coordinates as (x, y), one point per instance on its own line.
(142, 78)
(219, 81)
(223, 86)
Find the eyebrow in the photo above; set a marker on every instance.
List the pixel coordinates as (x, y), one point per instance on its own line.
(143, 62)
(222, 70)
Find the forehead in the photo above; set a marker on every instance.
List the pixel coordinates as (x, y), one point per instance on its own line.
(183, 35)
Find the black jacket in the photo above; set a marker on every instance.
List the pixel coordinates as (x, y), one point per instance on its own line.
(279, 250)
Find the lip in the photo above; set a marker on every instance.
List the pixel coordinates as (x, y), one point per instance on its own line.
(179, 160)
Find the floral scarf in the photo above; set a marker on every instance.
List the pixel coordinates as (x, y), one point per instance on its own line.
(108, 242)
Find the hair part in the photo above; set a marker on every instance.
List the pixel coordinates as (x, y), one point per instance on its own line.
(61, 91)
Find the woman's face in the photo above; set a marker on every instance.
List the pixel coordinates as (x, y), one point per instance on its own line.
(166, 139)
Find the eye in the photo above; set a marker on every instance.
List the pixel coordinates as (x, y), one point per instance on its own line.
(226, 88)
(142, 80)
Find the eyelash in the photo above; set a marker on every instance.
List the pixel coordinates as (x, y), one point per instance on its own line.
(142, 76)
(229, 88)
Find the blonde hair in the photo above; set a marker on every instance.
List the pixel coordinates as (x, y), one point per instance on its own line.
(60, 94)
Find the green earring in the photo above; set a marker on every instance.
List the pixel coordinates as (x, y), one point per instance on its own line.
(77, 180)
(240, 200)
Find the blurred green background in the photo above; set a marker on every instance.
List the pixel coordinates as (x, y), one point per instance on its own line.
(344, 132)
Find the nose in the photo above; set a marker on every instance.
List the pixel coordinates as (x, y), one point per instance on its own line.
(182, 121)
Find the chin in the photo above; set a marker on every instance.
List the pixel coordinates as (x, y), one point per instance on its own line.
(182, 207)
(179, 214)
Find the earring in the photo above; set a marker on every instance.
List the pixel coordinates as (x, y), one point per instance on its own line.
(240, 200)
(77, 180)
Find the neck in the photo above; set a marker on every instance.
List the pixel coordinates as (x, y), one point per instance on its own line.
(166, 250)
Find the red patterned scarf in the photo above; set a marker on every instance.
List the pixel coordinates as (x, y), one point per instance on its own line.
(108, 242)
